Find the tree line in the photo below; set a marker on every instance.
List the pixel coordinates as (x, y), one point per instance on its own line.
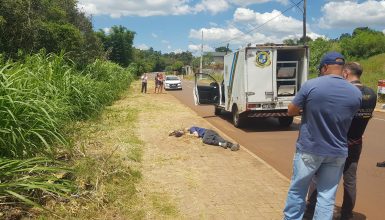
(363, 43)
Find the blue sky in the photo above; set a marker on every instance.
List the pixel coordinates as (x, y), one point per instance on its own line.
(176, 25)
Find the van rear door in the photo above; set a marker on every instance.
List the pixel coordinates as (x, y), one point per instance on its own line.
(259, 77)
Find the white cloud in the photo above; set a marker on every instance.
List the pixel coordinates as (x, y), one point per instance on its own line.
(253, 27)
(353, 14)
(107, 30)
(250, 2)
(165, 42)
(256, 28)
(214, 6)
(142, 47)
(244, 15)
(269, 21)
(119, 8)
(154, 35)
(213, 24)
(196, 48)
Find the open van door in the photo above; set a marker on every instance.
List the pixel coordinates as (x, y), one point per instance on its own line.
(206, 90)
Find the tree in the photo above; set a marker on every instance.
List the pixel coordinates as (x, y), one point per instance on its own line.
(177, 66)
(290, 42)
(318, 48)
(223, 49)
(118, 44)
(364, 43)
(304, 41)
(55, 26)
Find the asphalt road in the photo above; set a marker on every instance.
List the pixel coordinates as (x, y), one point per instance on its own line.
(276, 146)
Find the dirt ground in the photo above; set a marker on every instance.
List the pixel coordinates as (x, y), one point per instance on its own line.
(199, 181)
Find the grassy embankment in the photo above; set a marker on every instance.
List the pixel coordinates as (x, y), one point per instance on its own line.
(41, 99)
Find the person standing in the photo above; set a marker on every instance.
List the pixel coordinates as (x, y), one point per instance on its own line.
(352, 73)
(160, 82)
(156, 82)
(144, 82)
(328, 104)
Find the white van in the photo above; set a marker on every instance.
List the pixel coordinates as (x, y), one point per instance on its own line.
(258, 81)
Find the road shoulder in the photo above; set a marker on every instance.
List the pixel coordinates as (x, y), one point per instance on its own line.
(203, 181)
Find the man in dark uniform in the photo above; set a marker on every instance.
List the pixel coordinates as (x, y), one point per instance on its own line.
(351, 72)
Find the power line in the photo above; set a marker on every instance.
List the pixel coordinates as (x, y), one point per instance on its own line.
(259, 26)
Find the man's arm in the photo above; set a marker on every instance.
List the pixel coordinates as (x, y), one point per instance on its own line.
(293, 110)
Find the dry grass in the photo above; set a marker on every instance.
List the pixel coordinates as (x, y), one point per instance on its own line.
(108, 168)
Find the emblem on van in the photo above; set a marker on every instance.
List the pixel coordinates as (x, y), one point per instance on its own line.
(262, 58)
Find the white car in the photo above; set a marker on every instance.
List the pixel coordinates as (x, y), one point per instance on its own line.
(172, 82)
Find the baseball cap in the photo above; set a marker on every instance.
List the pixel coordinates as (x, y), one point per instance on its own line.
(331, 58)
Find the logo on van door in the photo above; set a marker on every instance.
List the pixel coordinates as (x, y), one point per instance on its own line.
(262, 58)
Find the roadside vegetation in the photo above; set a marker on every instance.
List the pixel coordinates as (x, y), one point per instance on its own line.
(57, 77)
(42, 96)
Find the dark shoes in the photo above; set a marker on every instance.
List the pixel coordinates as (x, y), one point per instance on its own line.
(233, 147)
(381, 164)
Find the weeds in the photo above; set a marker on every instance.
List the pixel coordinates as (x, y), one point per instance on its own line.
(40, 99)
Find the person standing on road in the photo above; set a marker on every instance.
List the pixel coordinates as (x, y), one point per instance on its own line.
(352, 73)
(156, 82)
(328, 104)
(160, 82)
(144, 82)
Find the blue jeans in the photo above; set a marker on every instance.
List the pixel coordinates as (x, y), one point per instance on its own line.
(329, 171)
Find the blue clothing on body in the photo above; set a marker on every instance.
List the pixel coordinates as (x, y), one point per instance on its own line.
(200, 131)
(329, 104)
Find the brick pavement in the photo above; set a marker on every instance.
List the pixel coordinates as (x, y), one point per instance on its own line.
(203, 181)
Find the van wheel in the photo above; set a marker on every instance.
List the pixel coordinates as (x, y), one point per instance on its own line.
(217, 111)
(238, 120)
(285, 121)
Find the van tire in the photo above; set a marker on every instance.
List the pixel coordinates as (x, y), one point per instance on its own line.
(238, 120)
(285, 121)
(217, 111)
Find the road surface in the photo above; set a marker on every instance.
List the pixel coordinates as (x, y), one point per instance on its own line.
(276, 146)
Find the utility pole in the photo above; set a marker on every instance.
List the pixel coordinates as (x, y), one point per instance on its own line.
(200, 67)
(304, 22)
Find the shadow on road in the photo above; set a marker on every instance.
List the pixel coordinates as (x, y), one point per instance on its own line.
(260, 124)
(337, 215)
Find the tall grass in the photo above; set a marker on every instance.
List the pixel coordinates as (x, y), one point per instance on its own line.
(40, 96)
(374, 70)
(30, 180)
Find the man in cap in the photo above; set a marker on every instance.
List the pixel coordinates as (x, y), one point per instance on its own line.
(352, 73)
(328, 104)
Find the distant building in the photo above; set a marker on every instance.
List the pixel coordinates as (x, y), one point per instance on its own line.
(218, 57)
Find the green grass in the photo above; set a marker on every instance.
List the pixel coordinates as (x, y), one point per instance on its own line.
(31, 180)
(374, 70)
(41, 97)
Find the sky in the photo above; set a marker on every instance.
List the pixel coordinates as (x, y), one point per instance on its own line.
(177, 25)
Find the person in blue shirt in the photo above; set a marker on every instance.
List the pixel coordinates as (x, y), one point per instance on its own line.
(352, 72)
(208, 137)
(328, 104)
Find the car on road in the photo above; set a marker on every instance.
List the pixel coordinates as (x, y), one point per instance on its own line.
(172, 82)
